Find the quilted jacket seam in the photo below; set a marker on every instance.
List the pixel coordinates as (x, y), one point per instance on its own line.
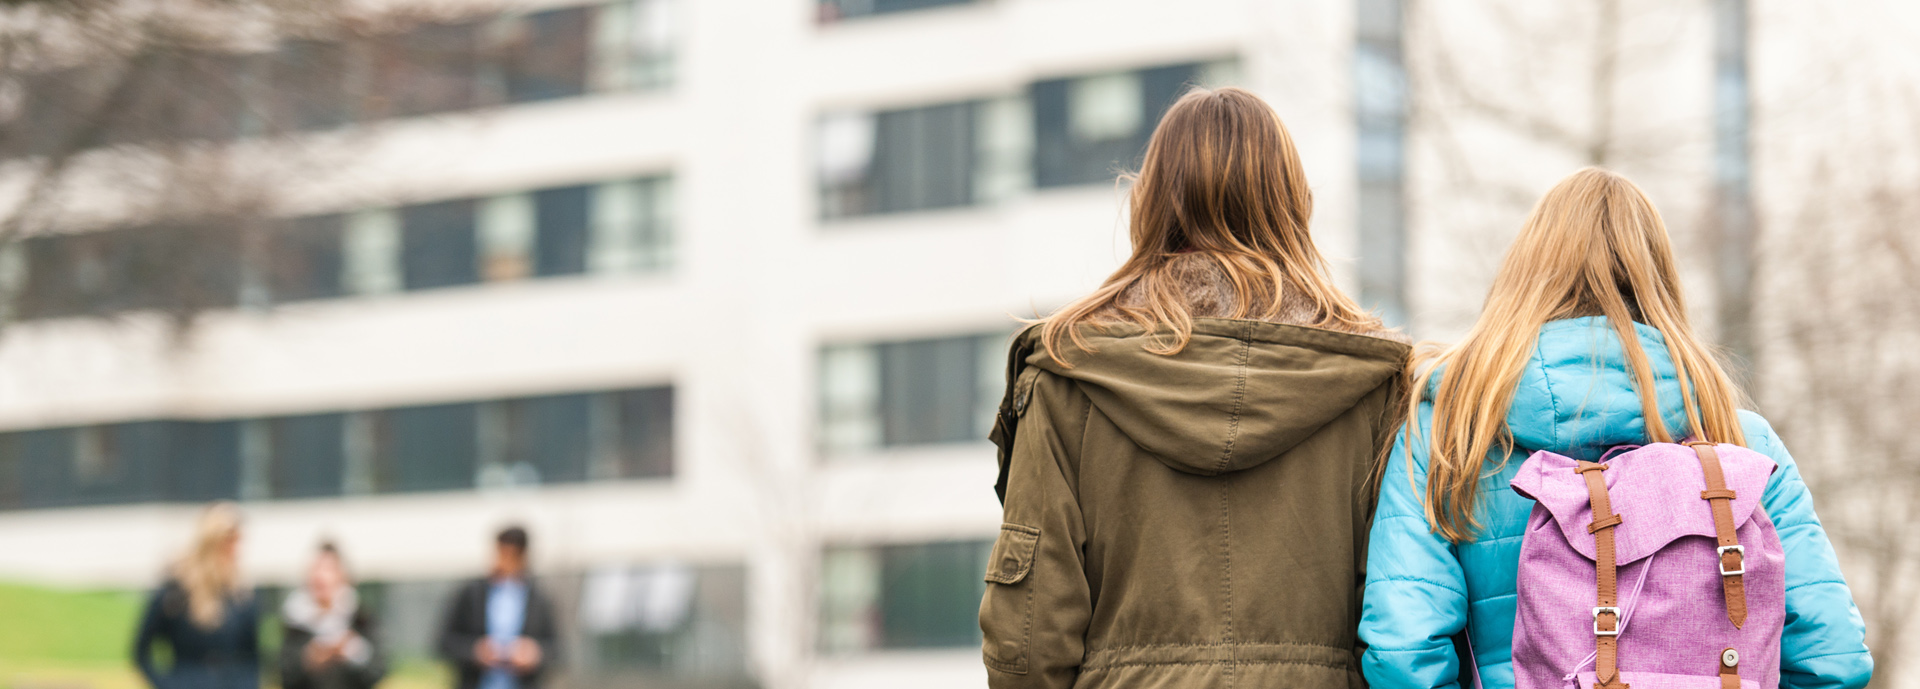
(1553, 401)
(1418, 580)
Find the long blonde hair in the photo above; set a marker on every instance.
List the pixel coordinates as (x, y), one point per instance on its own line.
(208, 571)
(1221, 178)
(1593, 246)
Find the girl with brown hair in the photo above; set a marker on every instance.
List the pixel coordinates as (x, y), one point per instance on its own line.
(1186, 453)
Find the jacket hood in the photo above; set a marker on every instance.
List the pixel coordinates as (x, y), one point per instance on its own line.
(1576, 395)
(1241, 393)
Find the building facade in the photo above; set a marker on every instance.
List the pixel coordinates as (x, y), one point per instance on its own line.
(712, 296)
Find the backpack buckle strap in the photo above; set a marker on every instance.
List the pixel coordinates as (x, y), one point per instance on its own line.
(1729, 669)
(1739, 565)
(1732, 556)
(1613, 623)
(1606, 640)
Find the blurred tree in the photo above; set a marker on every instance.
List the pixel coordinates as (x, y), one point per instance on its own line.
(147, 149)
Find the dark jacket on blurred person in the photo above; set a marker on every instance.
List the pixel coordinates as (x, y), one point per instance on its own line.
(358, 664)
(466, 624)
(1193, 520)
(226, 656)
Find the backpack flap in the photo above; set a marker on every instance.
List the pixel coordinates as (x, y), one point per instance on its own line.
(1655, 490)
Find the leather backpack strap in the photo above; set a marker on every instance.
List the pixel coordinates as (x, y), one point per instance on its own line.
(1606, 615)
(1729, 669)
(1733, 557)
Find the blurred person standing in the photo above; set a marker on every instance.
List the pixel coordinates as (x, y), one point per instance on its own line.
(204, 613)
(326, 637)
(1187, 454)
(500, 631)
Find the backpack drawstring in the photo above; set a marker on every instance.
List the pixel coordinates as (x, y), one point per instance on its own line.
(1626, 615)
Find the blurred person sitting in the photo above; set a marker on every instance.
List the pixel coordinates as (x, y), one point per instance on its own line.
(499, 631)
(204, 613)
(326, 637)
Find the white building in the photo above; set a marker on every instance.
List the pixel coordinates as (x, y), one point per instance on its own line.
(713, 298)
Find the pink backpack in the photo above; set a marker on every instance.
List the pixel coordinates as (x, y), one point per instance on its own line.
(1656, 569)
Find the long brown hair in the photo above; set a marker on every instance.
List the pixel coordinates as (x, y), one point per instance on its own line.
(1221, 178)
(1593, 246)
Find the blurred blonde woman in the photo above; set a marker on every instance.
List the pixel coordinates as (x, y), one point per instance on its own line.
(205, 613)
(1583, 345)
(1186, 452)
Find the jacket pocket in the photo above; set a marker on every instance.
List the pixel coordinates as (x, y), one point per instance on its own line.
(1006, 612)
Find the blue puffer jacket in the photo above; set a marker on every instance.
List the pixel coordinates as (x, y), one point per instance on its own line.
(1575, 398)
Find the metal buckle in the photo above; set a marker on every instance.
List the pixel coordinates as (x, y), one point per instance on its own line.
(1597, 631)
(1742, 550)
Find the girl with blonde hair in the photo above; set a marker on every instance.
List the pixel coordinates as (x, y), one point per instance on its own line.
(1584, 344)
(205, 613)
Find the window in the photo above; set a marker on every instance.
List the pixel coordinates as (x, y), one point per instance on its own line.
(549, 439)
(431, 69)
(12, 485)
(913, 392)
(157, 267)
(632, 226)
(506, 226)
(663, 622)
(635, 45)
(618, 227)
(307, 455)
(924, 595)
(121, 462)
(44, 466)
(438, 245)
(309, 87)
(1087, 129)
(543, 56)
(175, 94)
(306, 259)
(836, 10)
(68, 275)
(644, 419)
(205, 461)
(937, 156)
(57, 112)
(897, 160)
(563, 217)
(1380, 90)
(371, 251)
(426, 448)
(308, 83)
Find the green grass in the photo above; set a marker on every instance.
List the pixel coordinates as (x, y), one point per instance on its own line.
(57, 638)
(68, 627)
(60, 639)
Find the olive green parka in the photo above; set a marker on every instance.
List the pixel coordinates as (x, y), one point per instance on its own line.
(1193, 520)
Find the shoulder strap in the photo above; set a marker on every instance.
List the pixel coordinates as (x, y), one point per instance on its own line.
(1732, 555)
(1606, 615)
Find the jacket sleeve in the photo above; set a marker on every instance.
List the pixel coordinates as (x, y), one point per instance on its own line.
(1824, 645)
(544, 631)
(144, 638)
(1416, 593)
(457, 635)
(1034, 615)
